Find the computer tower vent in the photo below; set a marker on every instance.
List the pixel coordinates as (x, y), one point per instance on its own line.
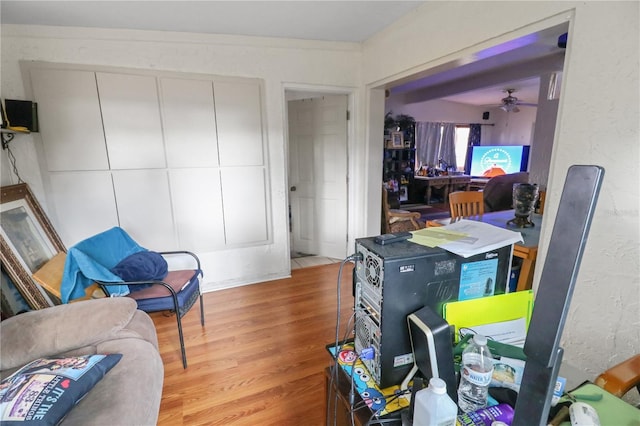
(363, 332)
(372, 270)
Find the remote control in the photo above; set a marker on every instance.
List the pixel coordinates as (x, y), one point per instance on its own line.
(392, 238)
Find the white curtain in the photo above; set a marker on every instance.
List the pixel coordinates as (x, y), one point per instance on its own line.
(448, 145)
(428, 137)
(435, 142)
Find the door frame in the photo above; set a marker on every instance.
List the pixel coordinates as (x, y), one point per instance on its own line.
(308, 90)
(375, 105)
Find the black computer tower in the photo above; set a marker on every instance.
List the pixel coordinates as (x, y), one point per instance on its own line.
(394, 280)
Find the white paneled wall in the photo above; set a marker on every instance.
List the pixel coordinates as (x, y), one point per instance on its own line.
(177, 161)
(195, 217)
(92, 212)
(239, 121)
(144, 207)
(190, 122)
(131, 120)
(74, 130)
(245, 213)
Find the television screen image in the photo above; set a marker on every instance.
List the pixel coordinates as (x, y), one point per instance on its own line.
(495, 160)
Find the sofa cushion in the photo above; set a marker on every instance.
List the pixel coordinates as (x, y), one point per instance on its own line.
(45, 390)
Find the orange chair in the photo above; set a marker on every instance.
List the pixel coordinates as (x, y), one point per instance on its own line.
(620, 378)
(466, 204)
(542, 195)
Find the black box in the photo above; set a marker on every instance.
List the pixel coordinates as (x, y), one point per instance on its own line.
(21, 114)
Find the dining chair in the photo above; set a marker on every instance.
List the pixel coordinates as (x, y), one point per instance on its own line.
(464, 204)
(622, 377)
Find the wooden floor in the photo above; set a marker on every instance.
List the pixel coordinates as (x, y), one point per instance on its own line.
(259, 359)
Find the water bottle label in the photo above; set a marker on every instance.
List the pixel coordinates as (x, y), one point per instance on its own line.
(473, 371)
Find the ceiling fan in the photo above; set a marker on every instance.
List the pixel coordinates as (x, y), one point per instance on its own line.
(510, 103)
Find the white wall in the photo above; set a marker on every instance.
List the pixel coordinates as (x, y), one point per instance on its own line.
(597, 124)
(435, 111)
(512, 128)
(278, 62)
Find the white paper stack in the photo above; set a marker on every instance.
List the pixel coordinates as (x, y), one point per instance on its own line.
(481, 237)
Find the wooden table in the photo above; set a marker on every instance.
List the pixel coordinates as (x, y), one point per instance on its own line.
(447, 183)
(478, 184)
(527, 250)
(459, 183)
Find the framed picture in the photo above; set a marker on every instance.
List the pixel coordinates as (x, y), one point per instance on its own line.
(28, 240)
(397, 140)
(403, 194)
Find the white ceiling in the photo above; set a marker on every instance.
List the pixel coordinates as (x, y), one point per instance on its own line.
(345, 21)
(350, 21)
(525, 90)
(482, 80)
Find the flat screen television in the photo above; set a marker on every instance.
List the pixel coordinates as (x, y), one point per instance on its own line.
(494, 160)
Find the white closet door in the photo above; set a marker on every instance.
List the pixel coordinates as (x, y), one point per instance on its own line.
(83, 204)
(238, 113)
(189, 122)
(144, 207)
(131, 116)
(197, 202)
(70, 121)
(245, 210)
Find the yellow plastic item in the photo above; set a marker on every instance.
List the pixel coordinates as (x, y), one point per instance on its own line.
(488, 310)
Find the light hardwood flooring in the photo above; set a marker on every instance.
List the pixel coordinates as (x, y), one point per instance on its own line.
(307, 261)
(259, 359)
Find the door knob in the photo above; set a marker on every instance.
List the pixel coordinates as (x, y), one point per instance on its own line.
(293, 188)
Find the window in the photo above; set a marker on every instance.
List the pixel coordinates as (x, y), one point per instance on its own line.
(437, 142)
(461, 144)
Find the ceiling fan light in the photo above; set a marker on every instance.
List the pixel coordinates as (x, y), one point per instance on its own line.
(510, 108)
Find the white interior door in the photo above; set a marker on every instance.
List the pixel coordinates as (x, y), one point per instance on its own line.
(318, 175)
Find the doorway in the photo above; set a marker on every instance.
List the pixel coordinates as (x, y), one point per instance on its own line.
(317, 177)
(530, 65)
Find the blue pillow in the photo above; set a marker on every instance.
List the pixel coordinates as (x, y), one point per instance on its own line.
(142, 266)
(45, 390)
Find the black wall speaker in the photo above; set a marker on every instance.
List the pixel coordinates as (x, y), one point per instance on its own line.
(21, 114)
(485, 115)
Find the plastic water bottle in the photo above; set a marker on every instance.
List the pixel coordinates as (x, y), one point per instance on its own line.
(475, 375)
(433, 407)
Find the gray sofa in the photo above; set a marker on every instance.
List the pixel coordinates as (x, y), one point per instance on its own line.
(130, 393)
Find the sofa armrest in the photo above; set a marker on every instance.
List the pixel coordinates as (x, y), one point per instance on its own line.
(62, 328)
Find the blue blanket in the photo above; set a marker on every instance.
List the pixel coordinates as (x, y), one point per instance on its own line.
(92, 259)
